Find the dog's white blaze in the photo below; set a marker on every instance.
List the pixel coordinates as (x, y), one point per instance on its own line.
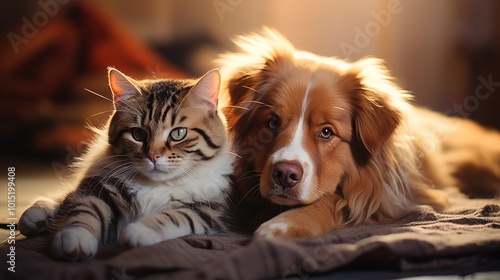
(296, 151)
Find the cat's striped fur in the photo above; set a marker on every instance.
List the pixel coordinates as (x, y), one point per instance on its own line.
(159, 169)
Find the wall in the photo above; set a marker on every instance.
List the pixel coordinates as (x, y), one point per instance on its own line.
(431, 47)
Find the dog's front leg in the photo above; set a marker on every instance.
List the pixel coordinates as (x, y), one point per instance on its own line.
(315, 219)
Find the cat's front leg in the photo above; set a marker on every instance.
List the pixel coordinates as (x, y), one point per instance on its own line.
(34, 221)
(75, 244)
(157, 227)
(78, 227)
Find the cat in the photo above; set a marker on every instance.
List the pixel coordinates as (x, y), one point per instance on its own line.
(159, 169)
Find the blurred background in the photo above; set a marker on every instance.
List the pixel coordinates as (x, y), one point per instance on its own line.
(445, 52)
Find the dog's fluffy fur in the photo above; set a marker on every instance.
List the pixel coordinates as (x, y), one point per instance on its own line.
(327, 144)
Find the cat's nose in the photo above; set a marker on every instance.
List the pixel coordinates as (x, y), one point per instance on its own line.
(154, 157)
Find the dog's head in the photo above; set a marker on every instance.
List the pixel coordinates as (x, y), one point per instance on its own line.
(302, 121)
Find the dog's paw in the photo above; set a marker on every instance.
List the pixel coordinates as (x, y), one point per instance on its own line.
(74, 244)
(138, 235)
(280, 229)
(270, 230)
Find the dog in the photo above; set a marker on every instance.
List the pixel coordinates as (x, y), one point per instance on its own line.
(326, 144)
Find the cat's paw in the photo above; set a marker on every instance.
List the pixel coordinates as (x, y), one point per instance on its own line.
(74, 244)
(33, 221)
(138, 235)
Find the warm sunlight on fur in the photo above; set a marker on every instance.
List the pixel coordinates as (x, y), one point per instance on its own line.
(341, 140)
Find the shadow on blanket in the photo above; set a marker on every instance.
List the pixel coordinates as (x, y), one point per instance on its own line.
(467, 236)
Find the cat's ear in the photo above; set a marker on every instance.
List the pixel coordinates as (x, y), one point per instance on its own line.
(206, 91)
(122, 86)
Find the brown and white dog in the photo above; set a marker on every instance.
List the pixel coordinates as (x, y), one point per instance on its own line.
(326, 144)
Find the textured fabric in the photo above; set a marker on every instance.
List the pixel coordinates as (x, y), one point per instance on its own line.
(465, 236)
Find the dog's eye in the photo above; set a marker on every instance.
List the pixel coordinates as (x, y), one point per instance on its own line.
(139, 134)
(273, 123)
(326, 133)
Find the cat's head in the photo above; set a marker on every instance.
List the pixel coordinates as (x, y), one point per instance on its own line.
(166, 128)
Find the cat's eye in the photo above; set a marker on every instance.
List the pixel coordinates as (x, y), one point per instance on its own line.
(273, 123)
(326, 134)
(179, 133)
(139, 134)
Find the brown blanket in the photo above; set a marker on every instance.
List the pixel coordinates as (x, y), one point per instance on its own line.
(465, 236)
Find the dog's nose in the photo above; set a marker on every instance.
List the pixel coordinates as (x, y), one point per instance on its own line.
(287, 174)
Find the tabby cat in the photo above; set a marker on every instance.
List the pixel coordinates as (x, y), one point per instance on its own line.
(159, 169)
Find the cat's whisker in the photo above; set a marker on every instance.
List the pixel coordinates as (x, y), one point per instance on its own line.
(100, 113)
(262, 104)
(228, 197)
(249, 179)
(119, 170)
(118, 164)
(97, 94)
(122, 172)
(136, 106)
(250, 192)
(234, 154)
(109, 175)
(237, 107)
(132, 175)
(246, 176)
(115, 178)
(252, 89)
(130, 107)
(109, 159)
(250, 172)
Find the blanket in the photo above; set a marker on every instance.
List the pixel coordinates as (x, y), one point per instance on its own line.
(467, 235)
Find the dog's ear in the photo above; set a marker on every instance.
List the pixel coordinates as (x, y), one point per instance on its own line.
(247, 73)
(238, 97)
(248, 86)
(376, 107)
(253, 80)
(241, 87)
